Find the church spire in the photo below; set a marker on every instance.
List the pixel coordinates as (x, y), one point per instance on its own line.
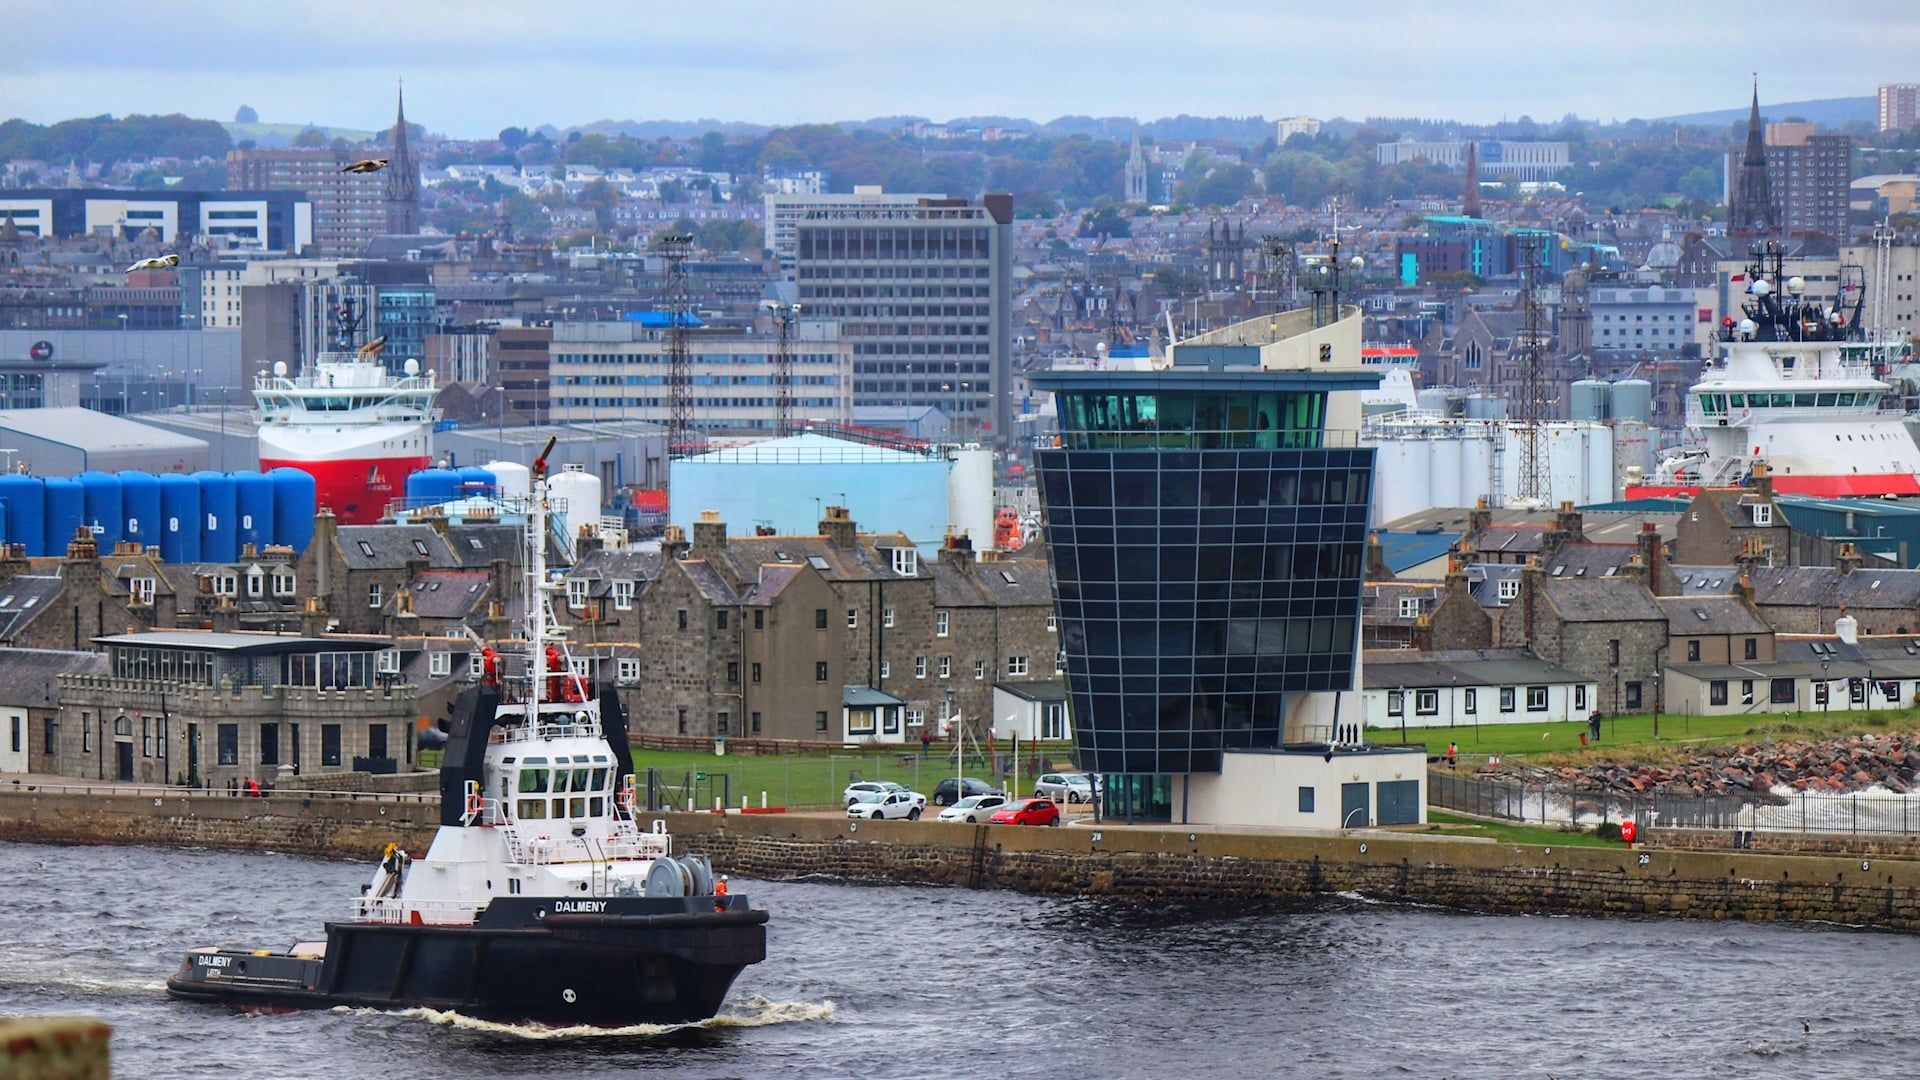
(1752, 212)
(1136, 176)
(403, 177)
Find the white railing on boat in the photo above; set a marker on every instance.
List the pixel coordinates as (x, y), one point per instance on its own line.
(387, 909)
(528, 850)
(517, 732)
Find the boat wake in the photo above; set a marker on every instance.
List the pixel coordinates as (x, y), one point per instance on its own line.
(757, 1011)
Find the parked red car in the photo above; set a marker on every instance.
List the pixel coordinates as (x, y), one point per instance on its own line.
(1027, 812)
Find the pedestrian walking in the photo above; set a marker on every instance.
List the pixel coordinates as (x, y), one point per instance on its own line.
(926, 742)
(1453, 754)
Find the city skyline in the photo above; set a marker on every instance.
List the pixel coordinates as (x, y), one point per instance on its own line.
(473, 69)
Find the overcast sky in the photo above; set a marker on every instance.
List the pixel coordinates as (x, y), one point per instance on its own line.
(474, 66)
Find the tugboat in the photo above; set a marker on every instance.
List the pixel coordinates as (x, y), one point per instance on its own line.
(541, 899)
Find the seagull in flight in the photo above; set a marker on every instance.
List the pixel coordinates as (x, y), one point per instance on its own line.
(366, 165)
(158, 262)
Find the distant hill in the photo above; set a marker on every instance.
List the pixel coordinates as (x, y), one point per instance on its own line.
(275, 136)
(1832, 112)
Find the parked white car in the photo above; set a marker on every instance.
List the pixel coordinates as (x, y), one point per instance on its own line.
(889, 804)
(859, 789)
(974, 809)
(1066, 787)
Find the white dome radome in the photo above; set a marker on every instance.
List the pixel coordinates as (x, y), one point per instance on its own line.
(1760, 287)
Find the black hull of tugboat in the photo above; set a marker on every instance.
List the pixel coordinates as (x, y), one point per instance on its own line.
(606, 970)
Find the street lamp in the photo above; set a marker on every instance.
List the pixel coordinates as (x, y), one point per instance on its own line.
(1826, 688)
(500, 422)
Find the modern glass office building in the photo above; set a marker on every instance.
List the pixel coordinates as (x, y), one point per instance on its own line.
(1207, 536)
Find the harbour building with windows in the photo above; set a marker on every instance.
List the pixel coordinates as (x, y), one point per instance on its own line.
(1206, 525)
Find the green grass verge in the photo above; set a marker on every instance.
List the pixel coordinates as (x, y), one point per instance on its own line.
(1509, 833)
(1633, 736)
(803, 781)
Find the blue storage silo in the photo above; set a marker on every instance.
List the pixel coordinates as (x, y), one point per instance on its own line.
(219, 527)
(104, 510)
(295, 500)
(179, 518)
(25, 498)
(3, 522)
(66, 512)
(140, 508)
(253, 507)
(476, 481)
(432, 486)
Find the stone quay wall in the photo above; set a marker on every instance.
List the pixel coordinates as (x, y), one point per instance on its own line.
(1134, 863)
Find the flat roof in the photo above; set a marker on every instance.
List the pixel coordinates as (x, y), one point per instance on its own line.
(94, 432)
(217, 641)
(1060, 380)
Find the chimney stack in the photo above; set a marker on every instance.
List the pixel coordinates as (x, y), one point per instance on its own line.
(1763, 480)
(837, 526)
(1377, 569)
(709, 533)
(673, 543)
(1848, 559)
(1480, 517)
(1651, 551)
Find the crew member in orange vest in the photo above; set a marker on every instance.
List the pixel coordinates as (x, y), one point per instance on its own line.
(720, 894)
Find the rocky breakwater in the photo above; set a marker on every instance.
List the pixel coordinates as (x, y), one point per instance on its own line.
(1862, 762)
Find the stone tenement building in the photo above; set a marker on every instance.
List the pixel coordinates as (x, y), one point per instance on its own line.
(1610, 630)
(772, 635)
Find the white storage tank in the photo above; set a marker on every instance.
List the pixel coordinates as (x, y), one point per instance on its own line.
(970, 508)
(513, 479)
(1486, 407)
(1600, 483)
(1443, 475)
(578, 493)
(1397, 462)
(1476, 467)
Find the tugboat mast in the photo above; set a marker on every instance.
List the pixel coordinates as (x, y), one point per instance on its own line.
(537, 571)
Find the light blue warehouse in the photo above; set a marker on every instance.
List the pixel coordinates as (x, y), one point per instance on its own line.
(785, 485)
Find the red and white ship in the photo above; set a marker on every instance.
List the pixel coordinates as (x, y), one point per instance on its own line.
(356, 427)
(1794, 386)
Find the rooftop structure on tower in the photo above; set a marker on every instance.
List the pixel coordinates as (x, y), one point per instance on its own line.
(1751, 212)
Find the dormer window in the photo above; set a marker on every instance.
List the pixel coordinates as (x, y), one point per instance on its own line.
(1506, 589)
(576, 593)
(141, 589)
(1763, 514)
(1409, 607)
(283, 583)
(256, 582)
(906, 561)
(226, 585)
(622, 595)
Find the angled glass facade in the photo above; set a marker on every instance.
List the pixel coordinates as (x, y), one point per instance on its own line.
(1207, 546)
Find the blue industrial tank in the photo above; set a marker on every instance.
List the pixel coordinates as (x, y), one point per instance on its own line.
(476, 481)
(140, 508)
(179, 518)
(25, 498)
(295, 500)
(219, 511)
(66, 512)
(432, 486)
(253, 504)
(105, 510)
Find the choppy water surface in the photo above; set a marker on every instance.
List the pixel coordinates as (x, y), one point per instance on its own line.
(911, 982)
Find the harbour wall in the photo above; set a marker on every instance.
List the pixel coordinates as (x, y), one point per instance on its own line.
(1135, 863)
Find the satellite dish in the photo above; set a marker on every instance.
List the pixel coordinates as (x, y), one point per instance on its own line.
(412, 366)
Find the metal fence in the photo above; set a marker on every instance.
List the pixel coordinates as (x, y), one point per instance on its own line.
(803, 782)
(1514, 799)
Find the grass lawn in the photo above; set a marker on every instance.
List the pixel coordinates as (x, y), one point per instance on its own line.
(1633, 735)
(802, 781)
(1508, 833)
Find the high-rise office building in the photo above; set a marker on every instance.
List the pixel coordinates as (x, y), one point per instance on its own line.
(1811, 175)
(922, 294)
(349, 209)
(1206, 522)
(1899, 106)
(785, 208)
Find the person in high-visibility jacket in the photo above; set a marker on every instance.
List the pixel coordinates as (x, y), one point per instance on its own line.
(720, 894)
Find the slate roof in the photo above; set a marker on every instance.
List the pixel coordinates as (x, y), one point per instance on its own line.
(1483, 581)
(1380, 601)
(1602, 600)
(708, 582)
(448, 594)
(602, 568)
(866, 561)
(1695, 615)
(1508, 539)
(1590, 560)
(1792, 586)
(1878, 589)
(1003, 583)
(478, 545)
(774, 578)
(28, 677)
(1404, 669)
(22, 598)
(392, 547)
(1711, 580)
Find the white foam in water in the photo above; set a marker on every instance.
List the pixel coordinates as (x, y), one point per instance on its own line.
(759, 1012)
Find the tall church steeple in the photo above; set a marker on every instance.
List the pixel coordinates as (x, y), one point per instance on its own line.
(1136, 171)
(403, 177)
(1752, 212)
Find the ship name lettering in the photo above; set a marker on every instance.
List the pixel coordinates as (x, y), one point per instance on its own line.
(588, 906)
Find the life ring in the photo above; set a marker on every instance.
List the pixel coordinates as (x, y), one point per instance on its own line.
(474, 804)
(624, 798)
(1746, 414)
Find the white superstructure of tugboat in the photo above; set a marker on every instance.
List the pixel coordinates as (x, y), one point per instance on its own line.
(542, 898)
(1794, 386)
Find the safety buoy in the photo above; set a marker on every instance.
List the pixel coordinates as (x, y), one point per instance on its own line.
(625, 798)
(474, 804)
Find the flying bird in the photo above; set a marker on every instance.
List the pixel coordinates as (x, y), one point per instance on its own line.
(375, 347)
(158, 262)
(367, 165)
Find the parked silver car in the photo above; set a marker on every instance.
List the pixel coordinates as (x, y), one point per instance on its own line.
(888, 804)
(1067, 787)
(974, 809)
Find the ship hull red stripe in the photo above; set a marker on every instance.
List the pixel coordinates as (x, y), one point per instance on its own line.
(357, 490)
(1830, 487)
